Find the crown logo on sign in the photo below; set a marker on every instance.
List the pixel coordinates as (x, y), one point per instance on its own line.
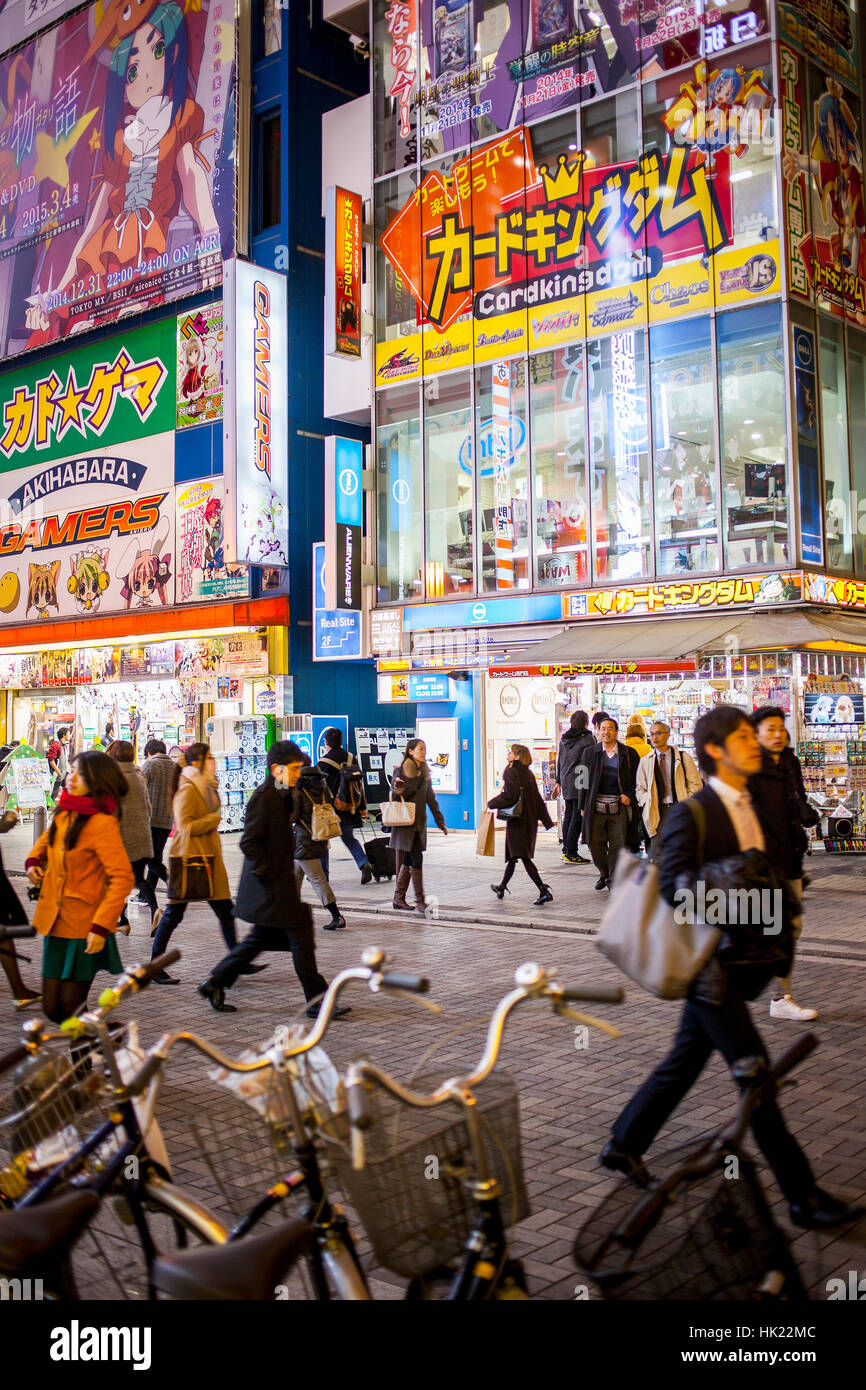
(565, 183)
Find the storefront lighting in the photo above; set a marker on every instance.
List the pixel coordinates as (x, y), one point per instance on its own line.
(435, 579)
(136, 640)
(756, 435)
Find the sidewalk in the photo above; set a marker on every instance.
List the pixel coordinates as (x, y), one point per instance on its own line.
(457, 883)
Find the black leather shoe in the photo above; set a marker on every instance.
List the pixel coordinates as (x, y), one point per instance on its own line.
(335, 924)
(545, 896)
(216, 997)
(252, 969)
(339, 1012)
(821, 1209)
(163, 978)
(500, 890)
(618, 1161)
(366, 874)
(601, 882)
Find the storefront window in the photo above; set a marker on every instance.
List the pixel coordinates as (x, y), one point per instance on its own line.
(399, 495)
(752, 427)
(684, 449)
(448, 485)
(857, 417)
(610, 130)
(557, 396)
(834, 431)
(619, 458)
(396, 313)
(502, 471)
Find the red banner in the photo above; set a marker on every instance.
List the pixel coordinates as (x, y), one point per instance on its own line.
(347, 252)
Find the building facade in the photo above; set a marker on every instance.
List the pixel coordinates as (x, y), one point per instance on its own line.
(617, 352)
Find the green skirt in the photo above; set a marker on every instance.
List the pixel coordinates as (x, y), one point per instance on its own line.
(65, 959)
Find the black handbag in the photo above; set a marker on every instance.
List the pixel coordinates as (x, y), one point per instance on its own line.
(511, 812)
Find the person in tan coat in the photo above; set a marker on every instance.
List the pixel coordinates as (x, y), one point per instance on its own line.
(197, 814)
(85, 876)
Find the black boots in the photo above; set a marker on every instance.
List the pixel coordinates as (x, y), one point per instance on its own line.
(500, 889)
(545, 896)
(337, 921)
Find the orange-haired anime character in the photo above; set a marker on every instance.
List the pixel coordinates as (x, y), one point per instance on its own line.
(151, 137)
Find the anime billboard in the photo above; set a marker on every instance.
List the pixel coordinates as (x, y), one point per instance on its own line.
(456, 72)
(90, 533)
(202, 572)
(116, 166)
(822, 167)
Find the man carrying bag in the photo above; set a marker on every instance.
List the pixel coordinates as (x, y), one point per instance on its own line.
(729, 854)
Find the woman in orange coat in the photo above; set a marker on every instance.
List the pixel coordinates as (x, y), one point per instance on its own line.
(85, 877)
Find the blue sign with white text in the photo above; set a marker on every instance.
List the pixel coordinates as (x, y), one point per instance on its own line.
(530, 608)
(350, 495)
(432, 687)
(337, 632)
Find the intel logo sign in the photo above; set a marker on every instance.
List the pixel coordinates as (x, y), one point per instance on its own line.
(499, 442)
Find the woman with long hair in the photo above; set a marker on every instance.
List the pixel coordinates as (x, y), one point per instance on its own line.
(412, 783)
(197, 814)
(520, 790)
(135, 826)
(85, 877)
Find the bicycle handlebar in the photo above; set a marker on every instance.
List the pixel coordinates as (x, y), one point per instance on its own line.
(533, 982)
(794, 1055)
(13, 1057)
(412, 984)
(24, 931)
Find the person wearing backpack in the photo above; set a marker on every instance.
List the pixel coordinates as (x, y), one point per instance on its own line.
(316, 822)
(346, 785)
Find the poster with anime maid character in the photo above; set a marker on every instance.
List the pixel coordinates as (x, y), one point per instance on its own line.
(116, 171)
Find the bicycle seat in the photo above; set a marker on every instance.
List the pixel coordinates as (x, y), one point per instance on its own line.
(50, 1228)
(247, 1269)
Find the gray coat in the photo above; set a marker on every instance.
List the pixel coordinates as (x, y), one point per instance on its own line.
(418, 789)
(135, 820)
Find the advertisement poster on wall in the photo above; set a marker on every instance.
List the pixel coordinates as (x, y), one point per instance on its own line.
(509, 251)
(116, 166)
(90, 533)
(255, 428)
(822, 168)
(443, 759)
(202, 572)
(200, 366)
(455, 73)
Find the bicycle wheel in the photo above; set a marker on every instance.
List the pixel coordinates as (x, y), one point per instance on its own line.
(109, 1261)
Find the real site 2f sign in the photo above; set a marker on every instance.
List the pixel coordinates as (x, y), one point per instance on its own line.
(255, 406)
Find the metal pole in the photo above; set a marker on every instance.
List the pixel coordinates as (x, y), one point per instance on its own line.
(40, 820)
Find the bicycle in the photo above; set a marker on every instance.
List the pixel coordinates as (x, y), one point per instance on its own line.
(705, 1230)
(450, 1229)
(332, 1262)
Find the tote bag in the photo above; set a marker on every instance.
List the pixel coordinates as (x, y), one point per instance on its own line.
(398, 813)
(485, 838)
(640, 932)
(190, 878)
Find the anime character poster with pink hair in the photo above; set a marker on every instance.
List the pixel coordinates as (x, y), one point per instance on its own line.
(117, 134)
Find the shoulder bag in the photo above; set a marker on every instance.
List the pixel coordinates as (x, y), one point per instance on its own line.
(511, 812)
(190, 878)
(641, 934)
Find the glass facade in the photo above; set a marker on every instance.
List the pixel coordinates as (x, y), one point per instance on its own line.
(582, 301)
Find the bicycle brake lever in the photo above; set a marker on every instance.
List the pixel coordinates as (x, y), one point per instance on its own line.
(566, 1011)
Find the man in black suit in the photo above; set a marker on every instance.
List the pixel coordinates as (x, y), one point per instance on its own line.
(728, 754)
(608, 800)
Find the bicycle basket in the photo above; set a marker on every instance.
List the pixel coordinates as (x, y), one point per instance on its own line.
(712, 1237)
(413, 1196)
(54, 1100)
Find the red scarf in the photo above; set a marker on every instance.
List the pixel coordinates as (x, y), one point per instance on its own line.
(87, 805)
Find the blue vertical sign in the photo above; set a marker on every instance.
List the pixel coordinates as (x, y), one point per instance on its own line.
(336, 632)
(805, 394)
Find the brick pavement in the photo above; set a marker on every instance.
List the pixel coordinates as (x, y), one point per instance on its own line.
(568, 1097)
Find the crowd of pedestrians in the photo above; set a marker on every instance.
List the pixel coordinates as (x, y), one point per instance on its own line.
(738, 817)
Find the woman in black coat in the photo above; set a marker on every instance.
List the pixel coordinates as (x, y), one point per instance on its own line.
(518, 784)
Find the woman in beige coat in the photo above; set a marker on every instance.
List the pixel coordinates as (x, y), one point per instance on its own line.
(197, 814)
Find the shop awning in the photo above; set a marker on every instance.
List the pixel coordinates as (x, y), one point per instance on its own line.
(676, 639)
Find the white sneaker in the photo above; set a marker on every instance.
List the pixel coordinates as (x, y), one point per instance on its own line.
(786, 1007)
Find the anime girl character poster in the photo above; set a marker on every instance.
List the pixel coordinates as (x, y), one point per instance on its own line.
(202, 571)
(200, 366)
(116, 165)
(834, 254)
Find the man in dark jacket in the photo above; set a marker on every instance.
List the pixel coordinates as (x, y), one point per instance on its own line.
(775, 794)
(268, 894)
(339, 769)
(575, 742)
(608, 800)
(692, 845)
